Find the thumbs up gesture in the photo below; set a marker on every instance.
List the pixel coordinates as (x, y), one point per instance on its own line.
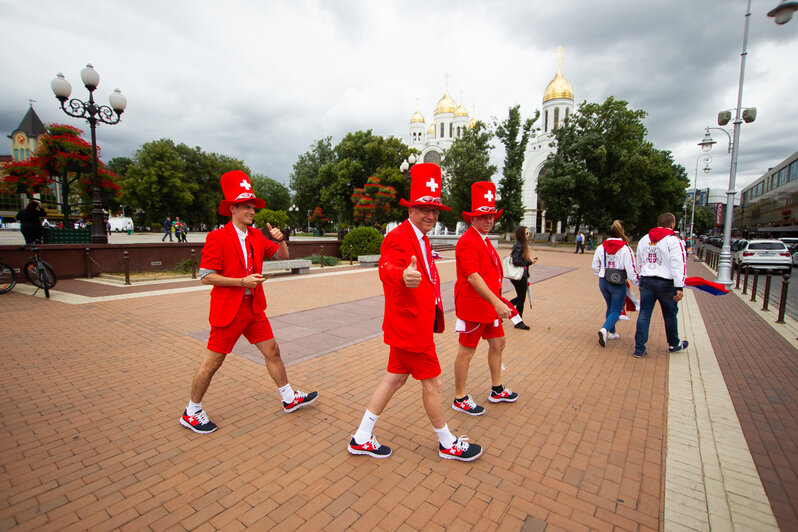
(411, 276)
(274, 232)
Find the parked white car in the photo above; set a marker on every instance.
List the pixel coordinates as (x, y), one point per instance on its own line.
(765, 255)
(792, 245)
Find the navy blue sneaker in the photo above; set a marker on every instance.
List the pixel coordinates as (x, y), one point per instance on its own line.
(679, 347)
(640, 354)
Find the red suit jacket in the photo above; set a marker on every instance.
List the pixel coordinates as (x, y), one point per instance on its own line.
(472, 256)
(222, 252)
(409, 318)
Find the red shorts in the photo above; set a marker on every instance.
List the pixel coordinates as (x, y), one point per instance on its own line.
(479, 330)
(420, 365)
(254, 327)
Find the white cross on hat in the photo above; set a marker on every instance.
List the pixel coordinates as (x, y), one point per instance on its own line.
(432, 185)
(489, 196)
(245, 184)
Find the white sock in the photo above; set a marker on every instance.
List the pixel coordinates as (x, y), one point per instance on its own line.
(366, 428)
(445, 436)
(193, 407)
(287, 393)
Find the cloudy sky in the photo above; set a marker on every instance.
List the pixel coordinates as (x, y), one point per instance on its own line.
(261, 81)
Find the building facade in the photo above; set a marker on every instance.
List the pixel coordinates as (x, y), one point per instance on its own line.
(770, 203)
(23, 142)
(449, 122)
(558, 104)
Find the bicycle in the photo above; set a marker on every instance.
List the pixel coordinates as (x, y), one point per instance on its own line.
(39, 272)
(8, 278)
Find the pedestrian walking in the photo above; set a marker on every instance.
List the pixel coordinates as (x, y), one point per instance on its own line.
(478, 302)
(521, 256)
(580, 242)
(167, 229)
(232, 262)
(661, 262)
(614, 264)
(413, 311)
(30, 221)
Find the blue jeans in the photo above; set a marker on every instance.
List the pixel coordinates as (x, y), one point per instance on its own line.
(614, 295)
(651, 291)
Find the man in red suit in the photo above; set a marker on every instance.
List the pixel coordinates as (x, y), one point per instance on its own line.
(478, 300)
(232, 261)
(413, 310)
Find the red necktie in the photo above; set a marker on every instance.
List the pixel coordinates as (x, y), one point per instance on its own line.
(495, 258)
(433, 274)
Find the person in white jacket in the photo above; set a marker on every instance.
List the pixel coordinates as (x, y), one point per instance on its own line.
(661, 264)
(613, 253)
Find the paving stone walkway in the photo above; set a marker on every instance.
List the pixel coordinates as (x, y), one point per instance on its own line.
(92, 388)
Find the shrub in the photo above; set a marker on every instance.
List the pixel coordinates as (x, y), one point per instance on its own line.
(278, 219)
(328, 260)
(364, 241)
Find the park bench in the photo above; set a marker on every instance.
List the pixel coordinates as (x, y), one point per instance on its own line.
(368, 261)
(298, 266)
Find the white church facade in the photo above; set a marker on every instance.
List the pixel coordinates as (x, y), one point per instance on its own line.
(450, 121)
(558, 104)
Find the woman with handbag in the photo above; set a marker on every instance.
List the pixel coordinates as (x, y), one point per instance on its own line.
(519, 257)
(614, 264)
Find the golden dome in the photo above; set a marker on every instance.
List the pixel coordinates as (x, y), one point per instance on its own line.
(461, 111)
(417, 117)
(431, 129)
(559, 87)
(446, 104)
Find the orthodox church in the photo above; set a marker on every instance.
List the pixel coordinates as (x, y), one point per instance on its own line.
(558, 104)
(450, 121)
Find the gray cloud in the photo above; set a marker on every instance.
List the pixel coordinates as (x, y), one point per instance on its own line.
(262, 81)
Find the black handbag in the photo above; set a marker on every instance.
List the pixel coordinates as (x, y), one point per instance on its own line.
(613, 275)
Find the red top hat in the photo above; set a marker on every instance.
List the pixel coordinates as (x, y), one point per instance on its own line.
(425, 187)
(237, 189)
(483, 200)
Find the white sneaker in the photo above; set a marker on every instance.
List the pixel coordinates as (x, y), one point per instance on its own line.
(602, 334)
(613, 336)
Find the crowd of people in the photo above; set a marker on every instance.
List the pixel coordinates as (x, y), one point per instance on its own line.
(175, 229)
(232, 262)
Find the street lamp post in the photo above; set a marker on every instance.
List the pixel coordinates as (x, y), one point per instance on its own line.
(782, 14)
(406, 164)
(93, 113)
(293, 210)
(707, 159)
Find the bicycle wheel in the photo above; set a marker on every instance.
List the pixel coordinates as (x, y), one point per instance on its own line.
(7, 278)
(47, 279)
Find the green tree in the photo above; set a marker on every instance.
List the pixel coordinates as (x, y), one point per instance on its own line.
(605, 169)
(304, 179)
(515, 136)
(465, 162)
(276, 195)
(278, 219)
(358, 156)
(704, 219)
(156, 182)
(204, 170)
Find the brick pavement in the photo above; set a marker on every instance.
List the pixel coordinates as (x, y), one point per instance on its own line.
(761, 373)
(92, 395)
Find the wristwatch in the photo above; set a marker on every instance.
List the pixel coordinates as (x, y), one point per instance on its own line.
(242, 282)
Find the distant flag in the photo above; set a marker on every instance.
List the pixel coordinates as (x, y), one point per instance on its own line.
(716, 289)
